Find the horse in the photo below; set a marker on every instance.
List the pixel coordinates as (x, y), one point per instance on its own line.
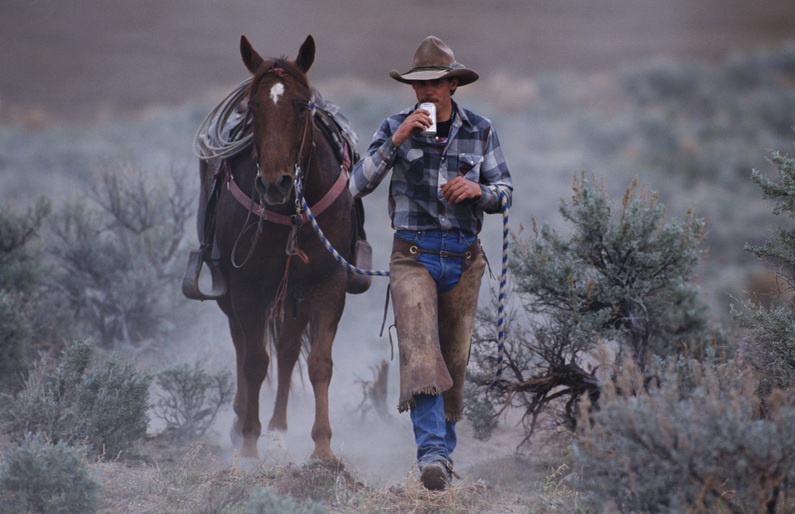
(283, 289)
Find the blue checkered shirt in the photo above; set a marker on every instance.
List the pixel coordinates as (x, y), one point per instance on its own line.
(422, 164)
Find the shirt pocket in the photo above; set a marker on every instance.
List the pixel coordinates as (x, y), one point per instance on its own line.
(468, 165)
(414, 165)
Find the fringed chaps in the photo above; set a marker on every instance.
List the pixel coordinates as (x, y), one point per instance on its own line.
(434, 331)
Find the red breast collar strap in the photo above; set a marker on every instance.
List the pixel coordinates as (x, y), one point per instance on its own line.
(282, 219)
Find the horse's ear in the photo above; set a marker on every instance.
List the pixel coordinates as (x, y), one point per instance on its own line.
(306, 55)
(251, 58)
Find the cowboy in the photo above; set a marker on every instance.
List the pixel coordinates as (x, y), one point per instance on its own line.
(441, 186)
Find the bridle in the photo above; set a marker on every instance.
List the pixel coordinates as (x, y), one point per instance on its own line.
(308, 133)
(297, 218)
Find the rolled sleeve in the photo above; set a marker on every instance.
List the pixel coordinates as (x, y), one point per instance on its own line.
(495, 177)
(368, 173)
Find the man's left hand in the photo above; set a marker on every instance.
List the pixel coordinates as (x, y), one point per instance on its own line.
(460, 189)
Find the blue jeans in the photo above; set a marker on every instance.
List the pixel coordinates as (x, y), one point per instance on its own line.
(444, 270)
(435, 436)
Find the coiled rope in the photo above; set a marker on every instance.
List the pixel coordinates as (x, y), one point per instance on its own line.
(210, 142)
(385, 273)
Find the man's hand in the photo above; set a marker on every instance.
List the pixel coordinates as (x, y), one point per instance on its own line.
(418, 120)
(460, 189)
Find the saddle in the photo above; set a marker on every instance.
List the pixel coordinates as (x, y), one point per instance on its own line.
(226, 132)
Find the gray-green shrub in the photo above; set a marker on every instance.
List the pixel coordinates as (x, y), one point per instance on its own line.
(624, 277)
(104, 408)
(701, 443)
(20, 273)
(118, 256)
(37, 477)
(14, 334)
(190, 400)
(770, 345)
(19, 268)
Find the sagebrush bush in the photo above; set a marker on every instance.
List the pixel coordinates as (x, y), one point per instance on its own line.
(263, 501)
(37, 477)
(20, 273)
(190, 400)
(19, 269)
(14, 334)
(118, 256)
(623, 278)
(104, 408)
(701, 443)
(771, 343)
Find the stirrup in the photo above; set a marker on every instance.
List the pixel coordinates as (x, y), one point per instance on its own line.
(190, 282)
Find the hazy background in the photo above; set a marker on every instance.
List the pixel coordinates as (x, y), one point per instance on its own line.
(688, 96)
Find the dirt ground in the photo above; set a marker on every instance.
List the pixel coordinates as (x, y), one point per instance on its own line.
(96, 59)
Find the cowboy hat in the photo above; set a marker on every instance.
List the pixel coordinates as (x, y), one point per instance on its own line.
(434, 60)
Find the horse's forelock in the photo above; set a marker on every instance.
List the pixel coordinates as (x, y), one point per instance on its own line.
(281, 66)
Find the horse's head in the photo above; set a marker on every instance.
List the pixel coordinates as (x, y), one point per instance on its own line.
(280, 101)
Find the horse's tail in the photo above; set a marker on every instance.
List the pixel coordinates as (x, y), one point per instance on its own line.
(272, 329)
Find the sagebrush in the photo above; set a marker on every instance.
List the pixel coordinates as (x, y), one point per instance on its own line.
(38, 477)
(104, 408)
(190, 399)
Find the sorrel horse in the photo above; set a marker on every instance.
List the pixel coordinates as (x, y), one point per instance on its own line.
(281, 282)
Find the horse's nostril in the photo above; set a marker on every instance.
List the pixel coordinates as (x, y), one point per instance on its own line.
(260, 186)
(285, 183)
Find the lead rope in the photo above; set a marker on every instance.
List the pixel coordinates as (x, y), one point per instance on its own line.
(503, 287)
(385, 273)
(333, 251)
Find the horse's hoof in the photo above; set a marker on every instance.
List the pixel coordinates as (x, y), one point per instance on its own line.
(325, 455)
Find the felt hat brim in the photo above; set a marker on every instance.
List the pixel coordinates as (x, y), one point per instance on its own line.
(464, 75)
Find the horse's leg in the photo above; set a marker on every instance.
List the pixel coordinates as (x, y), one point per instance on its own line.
(239, 404)
(288, 349)
(247, 326)
(329, 301)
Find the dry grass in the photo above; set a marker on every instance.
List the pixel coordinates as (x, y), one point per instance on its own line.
(198, 479)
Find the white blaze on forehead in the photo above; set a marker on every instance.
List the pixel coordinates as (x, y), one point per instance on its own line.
(276, 91)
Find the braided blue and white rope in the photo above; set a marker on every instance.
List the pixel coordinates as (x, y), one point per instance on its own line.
(345, 264)
(503, 287)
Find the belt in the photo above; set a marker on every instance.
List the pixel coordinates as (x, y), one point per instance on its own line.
(410, 249)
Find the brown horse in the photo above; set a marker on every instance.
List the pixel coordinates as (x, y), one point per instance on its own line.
(282, 283)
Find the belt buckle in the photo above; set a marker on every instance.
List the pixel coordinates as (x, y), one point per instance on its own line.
(444, 253)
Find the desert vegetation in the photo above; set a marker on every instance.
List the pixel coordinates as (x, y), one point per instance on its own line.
(638, 375)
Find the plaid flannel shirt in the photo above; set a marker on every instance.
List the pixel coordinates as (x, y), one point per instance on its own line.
(422, 164)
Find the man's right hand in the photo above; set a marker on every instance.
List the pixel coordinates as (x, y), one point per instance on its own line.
(414, 122)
